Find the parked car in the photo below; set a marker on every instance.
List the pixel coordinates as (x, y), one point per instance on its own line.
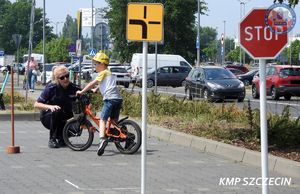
(214, 83)
(48, 69)
(247, 77)
(236, 72)
(123, 77)
(166, 76)
(239, 67)
(281, 80)
(20, 67)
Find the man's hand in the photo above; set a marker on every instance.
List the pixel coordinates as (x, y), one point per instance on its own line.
(53, 107)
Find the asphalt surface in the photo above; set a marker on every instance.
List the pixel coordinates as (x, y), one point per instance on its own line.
(170, 168)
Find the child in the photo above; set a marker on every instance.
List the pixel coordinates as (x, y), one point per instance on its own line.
(111, 96)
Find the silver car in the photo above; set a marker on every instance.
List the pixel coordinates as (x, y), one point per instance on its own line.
(122, 75)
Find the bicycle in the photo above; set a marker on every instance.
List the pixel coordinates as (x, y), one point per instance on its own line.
(78, 132)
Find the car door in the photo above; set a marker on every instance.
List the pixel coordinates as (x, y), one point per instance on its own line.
(163, 76)
(271, 71)
(176, 76)
(195, 83)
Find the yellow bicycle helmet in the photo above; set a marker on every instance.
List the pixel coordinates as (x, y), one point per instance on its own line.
(102, 58)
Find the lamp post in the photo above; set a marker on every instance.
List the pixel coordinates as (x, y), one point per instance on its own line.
(242, 13)
(44, 60)
(92, 26)
(56, 26)
(198, 35)
(224, 46)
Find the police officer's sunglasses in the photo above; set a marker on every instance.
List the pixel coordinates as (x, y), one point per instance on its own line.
(64, 76)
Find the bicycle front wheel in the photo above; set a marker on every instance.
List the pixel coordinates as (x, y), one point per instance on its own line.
(77, 135)
(134, 137)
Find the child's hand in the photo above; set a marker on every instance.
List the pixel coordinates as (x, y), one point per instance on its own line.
(94, 90)
(79, 93)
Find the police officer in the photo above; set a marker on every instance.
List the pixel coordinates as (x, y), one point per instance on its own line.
(55, 103)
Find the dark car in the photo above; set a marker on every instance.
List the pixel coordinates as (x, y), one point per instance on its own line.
(281, 80)
(239, 67)
(236, 72)
(214, 83)
(166, 76)
(247, 77)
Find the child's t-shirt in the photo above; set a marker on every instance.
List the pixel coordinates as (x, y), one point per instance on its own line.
(108, 85)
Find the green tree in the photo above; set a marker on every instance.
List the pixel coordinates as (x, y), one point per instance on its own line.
(16, 20)
(179, 28)
(56, 50)
(70, 29)
(291, 2)
(233, 55)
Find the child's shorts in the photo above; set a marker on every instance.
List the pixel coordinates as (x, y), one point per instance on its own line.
(111, 108)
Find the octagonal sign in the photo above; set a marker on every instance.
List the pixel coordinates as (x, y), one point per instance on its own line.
(257, 39)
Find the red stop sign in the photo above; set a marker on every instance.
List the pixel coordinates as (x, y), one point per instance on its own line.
(257, 39)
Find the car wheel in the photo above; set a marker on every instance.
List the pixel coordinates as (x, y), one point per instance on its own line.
(246, 82)
(287, 97)
(188, 94)
(274, 93)
(126, 85)
(150, 83)
(240, 99)
(255, 94)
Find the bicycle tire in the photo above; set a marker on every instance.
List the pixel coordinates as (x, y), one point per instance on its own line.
(77, 135)
(130, 127)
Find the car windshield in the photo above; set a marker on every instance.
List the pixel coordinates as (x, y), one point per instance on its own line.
(291, 71)
(118, 70)
(218, 73)
(251, 72)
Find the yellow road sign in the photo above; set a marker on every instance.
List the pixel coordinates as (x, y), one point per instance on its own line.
(145, 22)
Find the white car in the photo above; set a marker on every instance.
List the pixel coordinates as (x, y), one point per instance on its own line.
(122, 75)
(48, 68)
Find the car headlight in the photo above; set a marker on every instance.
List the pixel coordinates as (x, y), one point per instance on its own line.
(241, 85)
(214, 86)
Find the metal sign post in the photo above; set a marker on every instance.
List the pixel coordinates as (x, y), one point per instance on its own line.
(144, 23)
(261, 43)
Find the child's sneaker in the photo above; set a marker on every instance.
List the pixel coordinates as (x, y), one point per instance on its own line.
(102, 145)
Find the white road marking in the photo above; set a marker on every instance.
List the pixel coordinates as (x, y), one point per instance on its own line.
(96, 164)
(203, 189)
(102, 189)
(70, 165)
(171, 190)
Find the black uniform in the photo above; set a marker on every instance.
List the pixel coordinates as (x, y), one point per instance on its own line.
(54, 94)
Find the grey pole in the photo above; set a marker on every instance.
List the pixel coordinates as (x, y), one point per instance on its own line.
(30, 44)
(263, 125)
(92, 26)
(44, 70)
(144, 117)
(224, 45)
(198, 34)
(92, 33)
(239, 35)
(155, 74)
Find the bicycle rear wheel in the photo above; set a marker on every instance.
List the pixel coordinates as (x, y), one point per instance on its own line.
(134, 137)
(77, 135)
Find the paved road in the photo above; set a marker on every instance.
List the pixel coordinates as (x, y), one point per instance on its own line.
(170, 168)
